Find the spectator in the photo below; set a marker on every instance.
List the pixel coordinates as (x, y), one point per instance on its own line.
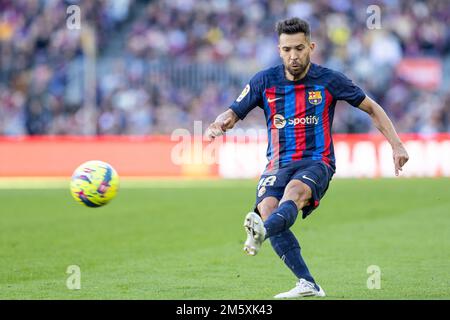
(164, 64)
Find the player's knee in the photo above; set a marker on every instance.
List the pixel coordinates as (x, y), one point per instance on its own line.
(298, 192)
(267, 206)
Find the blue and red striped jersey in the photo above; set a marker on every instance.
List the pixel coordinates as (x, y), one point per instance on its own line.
(299, 114)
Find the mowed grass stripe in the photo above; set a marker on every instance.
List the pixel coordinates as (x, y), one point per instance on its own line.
(186, 243)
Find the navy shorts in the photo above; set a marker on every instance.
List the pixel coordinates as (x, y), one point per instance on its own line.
(316, 174)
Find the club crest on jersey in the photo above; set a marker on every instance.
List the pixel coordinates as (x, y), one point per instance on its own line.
(315, 97)
(243, 93)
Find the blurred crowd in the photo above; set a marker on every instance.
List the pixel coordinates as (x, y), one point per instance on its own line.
(43, 90)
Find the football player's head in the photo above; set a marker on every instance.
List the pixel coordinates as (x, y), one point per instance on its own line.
(294, 44)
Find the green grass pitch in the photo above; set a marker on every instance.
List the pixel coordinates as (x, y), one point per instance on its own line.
(183, 240)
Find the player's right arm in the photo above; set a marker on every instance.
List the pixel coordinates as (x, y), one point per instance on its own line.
(223, 122)
(249, 99)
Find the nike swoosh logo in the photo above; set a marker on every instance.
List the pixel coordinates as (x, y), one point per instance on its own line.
(308, 178)
(272, 100)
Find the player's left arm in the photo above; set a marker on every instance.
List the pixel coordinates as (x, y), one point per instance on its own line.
(385, 126)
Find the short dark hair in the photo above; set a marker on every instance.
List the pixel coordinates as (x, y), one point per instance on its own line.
(292, 26)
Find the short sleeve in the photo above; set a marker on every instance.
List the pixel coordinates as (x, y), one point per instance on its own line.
(249, 98)
(342, 88)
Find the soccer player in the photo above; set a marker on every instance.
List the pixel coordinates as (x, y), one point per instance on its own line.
(298, 98)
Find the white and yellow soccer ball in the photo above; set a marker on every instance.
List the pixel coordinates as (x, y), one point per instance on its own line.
(94, 183)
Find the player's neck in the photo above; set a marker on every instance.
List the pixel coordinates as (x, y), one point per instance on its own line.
(290, 77)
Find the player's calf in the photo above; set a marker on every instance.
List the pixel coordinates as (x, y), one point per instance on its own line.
(267, 206)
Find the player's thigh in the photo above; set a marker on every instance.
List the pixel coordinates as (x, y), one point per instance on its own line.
(317, 177)
(267, 206)
(270, 190)
(297, 191)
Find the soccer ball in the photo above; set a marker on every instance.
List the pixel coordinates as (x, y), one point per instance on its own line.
(94, 183)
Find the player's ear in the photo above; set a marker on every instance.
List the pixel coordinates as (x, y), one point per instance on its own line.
(312, 46)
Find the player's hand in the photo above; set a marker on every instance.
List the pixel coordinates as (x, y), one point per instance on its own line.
(216, 129)
(400, 156)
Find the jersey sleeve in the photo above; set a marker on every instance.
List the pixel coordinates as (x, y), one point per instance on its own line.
(344, 89)
(250, 98)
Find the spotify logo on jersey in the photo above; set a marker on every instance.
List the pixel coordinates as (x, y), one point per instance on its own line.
(280, 122)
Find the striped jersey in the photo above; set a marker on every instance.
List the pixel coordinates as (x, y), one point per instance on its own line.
(299, 114)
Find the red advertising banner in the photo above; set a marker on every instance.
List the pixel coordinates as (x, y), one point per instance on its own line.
(160, 156)
(425, 73)
(59, 156)
(357, 156)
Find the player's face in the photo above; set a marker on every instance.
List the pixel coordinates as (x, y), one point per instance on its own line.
(295, 50)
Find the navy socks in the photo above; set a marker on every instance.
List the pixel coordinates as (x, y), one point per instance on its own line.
(288, 249)
(281, 219)
(283, 240)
